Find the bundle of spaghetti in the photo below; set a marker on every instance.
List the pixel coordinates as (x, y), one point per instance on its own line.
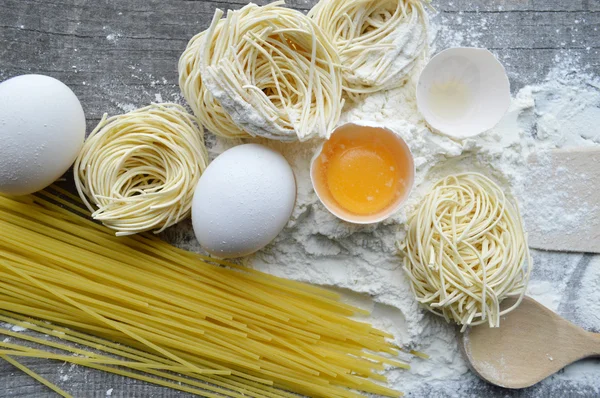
(209, 320)
(378, 41)
(139, 171)
(270, 68)
(59, 343)
(466, 250)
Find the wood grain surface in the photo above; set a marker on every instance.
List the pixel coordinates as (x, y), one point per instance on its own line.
(524, 350)
(118, 55)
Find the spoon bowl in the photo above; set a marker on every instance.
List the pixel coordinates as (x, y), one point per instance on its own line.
(531, 344)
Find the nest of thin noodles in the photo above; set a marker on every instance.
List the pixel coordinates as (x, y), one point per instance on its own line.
(466, 251)
(264, 71)
(206, 108)
(138, 171)
(378, 41)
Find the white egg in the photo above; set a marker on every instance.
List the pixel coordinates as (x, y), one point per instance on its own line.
(243, 200)
(42, 129)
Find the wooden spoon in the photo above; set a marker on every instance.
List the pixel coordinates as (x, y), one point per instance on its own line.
(531, 344)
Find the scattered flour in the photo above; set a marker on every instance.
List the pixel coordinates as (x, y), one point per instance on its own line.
(13, 328)
(587, 303)
(126, 107)
(545, 293)
(16, 328)
(362, 262)
(318, 248)
(66, 375)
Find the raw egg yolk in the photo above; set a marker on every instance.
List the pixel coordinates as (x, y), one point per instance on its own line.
(363, 170)
(362, 179)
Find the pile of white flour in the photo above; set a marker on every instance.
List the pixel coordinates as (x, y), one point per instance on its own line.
(363, 263)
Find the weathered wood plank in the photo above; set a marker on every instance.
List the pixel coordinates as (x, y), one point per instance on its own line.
(520, 5)
(526, 42)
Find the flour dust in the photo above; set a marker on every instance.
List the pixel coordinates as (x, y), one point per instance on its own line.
(362, 262)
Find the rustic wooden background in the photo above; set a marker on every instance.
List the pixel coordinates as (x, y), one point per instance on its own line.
(118, 55)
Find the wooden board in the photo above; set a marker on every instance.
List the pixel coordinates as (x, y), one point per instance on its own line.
(575, 174)
(117, 55)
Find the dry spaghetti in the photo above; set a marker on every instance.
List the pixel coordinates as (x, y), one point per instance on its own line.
(466, 250)
(177, 317)
(138, 171)
(379, 41)
(270, 69)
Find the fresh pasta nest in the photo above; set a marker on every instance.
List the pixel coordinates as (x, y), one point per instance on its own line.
(466, 251)
(138, 171)
(204, 105)
(378, 41)
(267, 71)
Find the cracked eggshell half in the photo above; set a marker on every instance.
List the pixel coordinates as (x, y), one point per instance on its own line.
(347, 171)
(243, 200)
(463, 92)
(42, 129)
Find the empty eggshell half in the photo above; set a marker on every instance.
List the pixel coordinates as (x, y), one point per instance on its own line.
(463, 92)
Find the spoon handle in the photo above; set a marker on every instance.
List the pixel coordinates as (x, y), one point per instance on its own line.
(595, 347)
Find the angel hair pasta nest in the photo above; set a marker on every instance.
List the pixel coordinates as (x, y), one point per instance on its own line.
(206, 108)
(138, 171)
(263, 71)
(379, 41)
(466, 251)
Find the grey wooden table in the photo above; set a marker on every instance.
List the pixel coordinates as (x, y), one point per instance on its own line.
(117, 55)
